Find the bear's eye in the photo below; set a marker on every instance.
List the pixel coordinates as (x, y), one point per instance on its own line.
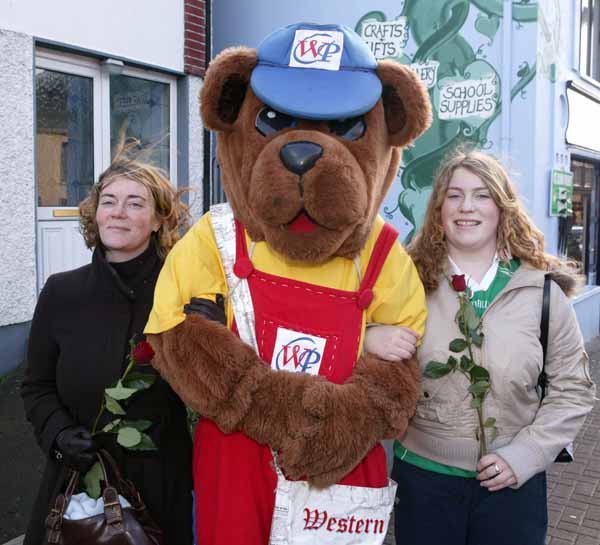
(352, 128)
(269, 121)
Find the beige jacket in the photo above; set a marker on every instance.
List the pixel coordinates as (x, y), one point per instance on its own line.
(529, 435)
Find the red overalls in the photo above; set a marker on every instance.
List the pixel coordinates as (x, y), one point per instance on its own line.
(234, 479)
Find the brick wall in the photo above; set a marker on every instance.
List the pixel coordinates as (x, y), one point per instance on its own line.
(194, 52)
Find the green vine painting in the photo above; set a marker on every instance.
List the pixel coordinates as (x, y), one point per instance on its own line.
(464, 86)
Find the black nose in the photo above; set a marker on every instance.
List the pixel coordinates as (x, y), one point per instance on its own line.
(300, 157)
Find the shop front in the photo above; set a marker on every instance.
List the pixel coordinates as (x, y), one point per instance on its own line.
(497, 76)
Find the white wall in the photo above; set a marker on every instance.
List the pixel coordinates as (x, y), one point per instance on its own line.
(195, 148)
(17, 184)
(148, 31)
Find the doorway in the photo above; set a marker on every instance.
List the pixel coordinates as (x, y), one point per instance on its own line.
(578, 238)
(81, 105)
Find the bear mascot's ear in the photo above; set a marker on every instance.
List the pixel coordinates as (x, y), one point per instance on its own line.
(227, 79)
(405, 102)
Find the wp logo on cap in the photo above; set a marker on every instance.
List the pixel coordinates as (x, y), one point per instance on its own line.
(343, 82)
(317, 49)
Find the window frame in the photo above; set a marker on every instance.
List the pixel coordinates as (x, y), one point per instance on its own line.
(80, 65)
(73, 65)
(576, 52)
(150, 76)
(590, 227)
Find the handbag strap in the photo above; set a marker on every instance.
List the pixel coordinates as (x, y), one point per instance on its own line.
(543, 378)
(54, 519)
(110, 495)
(125, 486)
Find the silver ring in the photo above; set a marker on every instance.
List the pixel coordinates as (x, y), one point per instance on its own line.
(497, 469)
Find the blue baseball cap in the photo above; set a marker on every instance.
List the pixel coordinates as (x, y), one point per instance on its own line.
(317, 72)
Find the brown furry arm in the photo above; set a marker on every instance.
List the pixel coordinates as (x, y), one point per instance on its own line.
(323, 430)
(219, 388)
(222, 378)
(374, 404)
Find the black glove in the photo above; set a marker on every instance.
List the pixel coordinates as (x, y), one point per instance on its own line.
(74, 447)
(208, 309)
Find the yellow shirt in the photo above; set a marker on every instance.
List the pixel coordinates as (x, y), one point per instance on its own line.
(193, 269)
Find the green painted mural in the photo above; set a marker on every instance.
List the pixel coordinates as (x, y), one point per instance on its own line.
(464, 86)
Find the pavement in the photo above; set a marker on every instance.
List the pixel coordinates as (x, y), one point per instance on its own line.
(573, 489)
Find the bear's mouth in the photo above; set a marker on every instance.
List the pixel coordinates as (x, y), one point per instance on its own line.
(302, 223)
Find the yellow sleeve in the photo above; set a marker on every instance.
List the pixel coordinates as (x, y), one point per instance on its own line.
(192, 269)
(399, 297)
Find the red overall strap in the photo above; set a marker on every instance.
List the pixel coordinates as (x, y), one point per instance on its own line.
(243, 266)
(386, 239)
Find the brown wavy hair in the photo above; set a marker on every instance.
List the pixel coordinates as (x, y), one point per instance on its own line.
(172, 214)
(517, 235)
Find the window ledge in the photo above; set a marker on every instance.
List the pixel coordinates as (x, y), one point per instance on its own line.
(586, 292)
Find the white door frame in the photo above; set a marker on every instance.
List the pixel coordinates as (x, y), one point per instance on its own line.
(77, 66)
(56, 226)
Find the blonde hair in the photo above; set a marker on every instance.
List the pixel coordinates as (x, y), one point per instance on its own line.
(517, 235)
(172, 214)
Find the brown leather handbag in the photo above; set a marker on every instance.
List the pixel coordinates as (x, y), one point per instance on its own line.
(116, 526)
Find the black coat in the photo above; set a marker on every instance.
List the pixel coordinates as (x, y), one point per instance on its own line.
(78, 345)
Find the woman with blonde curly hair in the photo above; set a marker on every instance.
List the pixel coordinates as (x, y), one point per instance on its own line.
(82, 330)
(471, 467)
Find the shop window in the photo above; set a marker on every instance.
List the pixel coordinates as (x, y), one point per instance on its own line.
(577, 237)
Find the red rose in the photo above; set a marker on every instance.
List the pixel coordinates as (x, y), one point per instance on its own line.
(142, 353)
(458, 282)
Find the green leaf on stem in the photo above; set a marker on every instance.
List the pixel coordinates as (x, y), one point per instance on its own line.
(472, 318)
(466, 363)
(140, 425)
(145, 444)
(436, 369)
(458, 345)
(111, 426)
(113, 405)
(452, 363)
(129, 437)
(92, 479)
(475, 403)
(139, 381)
(120, 392)
(494, 434)
(489, 423)
(479, 373)
(480, 388)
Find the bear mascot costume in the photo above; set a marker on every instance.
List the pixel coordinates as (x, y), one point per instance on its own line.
(287, 451)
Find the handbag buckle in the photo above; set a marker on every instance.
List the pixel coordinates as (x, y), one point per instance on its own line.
(112, 507)
(54, 523)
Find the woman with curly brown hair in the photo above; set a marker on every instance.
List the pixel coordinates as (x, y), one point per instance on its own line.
(80, 339)
(471, 467)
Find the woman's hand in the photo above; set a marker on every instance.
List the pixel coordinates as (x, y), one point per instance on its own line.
(75, 447)
(494, 473)
(390, 342)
